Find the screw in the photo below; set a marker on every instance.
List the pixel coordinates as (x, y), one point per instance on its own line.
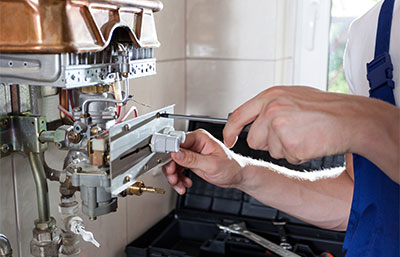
(126, 127)
(4, 123)
(5, 148)
(127, 179)
(159, 160)
(125, 74)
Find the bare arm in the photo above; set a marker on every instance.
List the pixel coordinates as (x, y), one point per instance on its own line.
(322, 198)
(324, 202)
(301, 123)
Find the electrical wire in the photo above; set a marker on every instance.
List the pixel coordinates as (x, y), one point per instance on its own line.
(118, 111)
(124, 117)
(67, 113)
(71, 102)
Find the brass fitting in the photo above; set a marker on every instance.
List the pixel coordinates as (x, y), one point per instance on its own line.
(74, 137)
(139, 188)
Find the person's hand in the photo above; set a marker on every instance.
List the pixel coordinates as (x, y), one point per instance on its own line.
(298, 123)
(208, 158)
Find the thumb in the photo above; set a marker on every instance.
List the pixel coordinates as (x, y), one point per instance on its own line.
(191, 160)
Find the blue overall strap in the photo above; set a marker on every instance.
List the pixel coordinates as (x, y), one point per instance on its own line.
(373, 228)
(380, 70)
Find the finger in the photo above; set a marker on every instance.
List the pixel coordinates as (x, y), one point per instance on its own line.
(173, 179)
(192, 160)
(196, 141)
(170, 168)
(258, 134)
(275, 147)
(187, 182)
(180, 188)
(241, 117)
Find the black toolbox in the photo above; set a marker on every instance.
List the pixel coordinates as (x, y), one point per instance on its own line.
(191, 229)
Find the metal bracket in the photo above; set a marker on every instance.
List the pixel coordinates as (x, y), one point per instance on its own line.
(130, 153)
(21, 134)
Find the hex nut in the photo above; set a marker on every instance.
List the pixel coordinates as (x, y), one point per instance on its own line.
(43, 226)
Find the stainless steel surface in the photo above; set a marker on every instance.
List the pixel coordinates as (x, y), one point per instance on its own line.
(59, 26)
(194, 118)
(240, 229)
(42, 190)
(201, 119)
(5, 247)
(130, 153)
(71, 70)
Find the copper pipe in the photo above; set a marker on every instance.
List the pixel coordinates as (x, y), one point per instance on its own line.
(64, 103)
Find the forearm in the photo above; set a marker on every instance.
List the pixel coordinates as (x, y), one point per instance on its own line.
(377, 136)
(324, 202)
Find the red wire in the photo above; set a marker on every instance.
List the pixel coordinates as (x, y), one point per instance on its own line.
(119, 111)
(135, 113)
(67, 114)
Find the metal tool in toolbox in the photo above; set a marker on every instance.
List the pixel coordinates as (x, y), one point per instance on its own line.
(240, 229)
(201, 119)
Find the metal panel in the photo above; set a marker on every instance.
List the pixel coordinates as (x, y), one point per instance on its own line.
(60, 26)
(57, 70)
(130, 153)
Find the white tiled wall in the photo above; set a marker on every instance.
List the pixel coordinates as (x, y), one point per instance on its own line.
(235, 49)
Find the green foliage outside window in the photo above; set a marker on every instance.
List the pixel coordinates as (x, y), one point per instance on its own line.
(343, 13)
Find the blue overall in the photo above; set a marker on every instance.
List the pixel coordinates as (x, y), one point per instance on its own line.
(373, 228)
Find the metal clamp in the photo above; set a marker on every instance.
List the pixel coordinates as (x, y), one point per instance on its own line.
(21, 133)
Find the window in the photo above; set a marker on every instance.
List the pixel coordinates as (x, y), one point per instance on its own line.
(342, 14)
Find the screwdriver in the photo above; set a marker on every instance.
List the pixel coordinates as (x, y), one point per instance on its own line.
(200, 118)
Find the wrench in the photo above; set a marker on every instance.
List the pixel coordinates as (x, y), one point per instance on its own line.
(240, 229)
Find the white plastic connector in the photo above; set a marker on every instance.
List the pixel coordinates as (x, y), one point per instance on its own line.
(180, 134)
(163, 143)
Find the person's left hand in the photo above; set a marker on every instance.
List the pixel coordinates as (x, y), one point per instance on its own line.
(298, 123)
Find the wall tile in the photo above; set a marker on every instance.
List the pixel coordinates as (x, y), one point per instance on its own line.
(170, 24)
(144, 211)
(8, 225)
(231, 29)
(166, 88)
(216, 88)
(26, 200)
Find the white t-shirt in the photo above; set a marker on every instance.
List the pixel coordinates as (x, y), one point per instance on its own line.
(361, 48)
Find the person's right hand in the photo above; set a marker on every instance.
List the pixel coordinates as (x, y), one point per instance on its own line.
(208, 158)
